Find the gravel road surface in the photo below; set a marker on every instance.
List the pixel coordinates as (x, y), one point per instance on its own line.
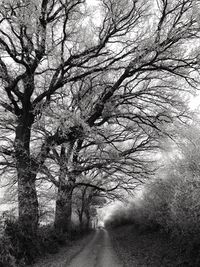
(97, 253)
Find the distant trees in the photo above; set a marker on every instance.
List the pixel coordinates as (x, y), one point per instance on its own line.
(93, 95)
(86, 201)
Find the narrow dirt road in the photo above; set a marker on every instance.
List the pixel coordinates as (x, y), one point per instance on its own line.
(98, 253)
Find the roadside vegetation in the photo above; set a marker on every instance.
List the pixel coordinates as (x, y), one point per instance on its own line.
(17, 250)
(168, 209)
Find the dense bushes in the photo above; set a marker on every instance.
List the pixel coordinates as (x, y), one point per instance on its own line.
(18, 248)
(170, 202)
(6, 252)
(26, 247)
(171, 205)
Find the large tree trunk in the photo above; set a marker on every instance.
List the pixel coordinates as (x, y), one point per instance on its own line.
(82, 208)
(63, 211)
(63, 208)
(27, 195)
(87, 214)
(80, 217)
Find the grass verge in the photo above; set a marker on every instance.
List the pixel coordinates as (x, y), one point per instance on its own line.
(152, 249)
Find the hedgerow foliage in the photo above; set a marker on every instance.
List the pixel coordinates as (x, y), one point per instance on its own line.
(170, 203)
(20, 249)
(6, 252)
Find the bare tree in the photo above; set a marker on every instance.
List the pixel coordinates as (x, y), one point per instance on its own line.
(86, 201)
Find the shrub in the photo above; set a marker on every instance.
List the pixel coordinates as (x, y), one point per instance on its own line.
(6, 253)
(25, 246)
(170, 205)
(50, 239)
(185, 210)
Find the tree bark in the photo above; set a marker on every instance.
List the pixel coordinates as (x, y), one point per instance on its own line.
(27, 195)
(87, 214)
(63, 211)
(82, 208)
(80, 217)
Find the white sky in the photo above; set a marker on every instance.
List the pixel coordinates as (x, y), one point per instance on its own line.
(92, 2)
(195, 102)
